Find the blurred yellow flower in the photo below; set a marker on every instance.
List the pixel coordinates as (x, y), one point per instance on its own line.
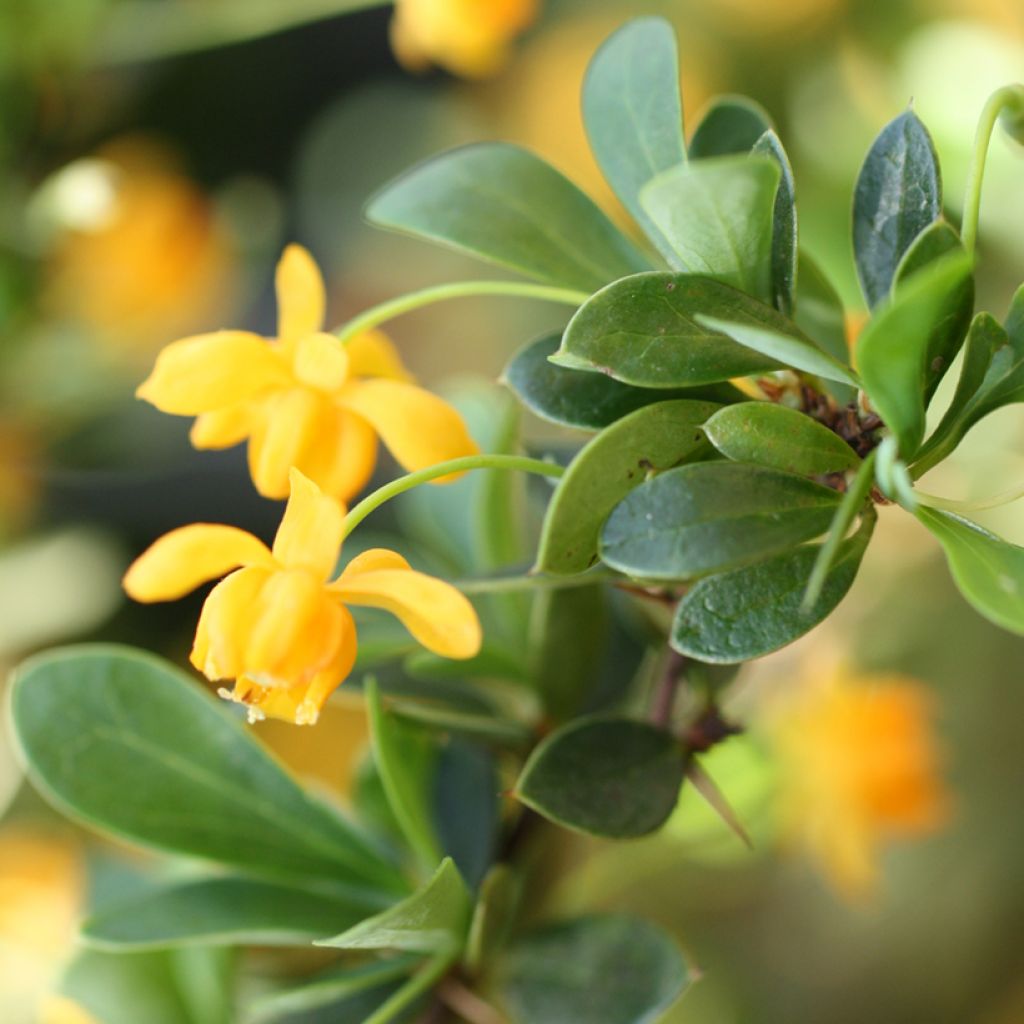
(61, 1010)
(858, 766)
(140, 252)
(467, 37)
(304, 399)
(275, 624)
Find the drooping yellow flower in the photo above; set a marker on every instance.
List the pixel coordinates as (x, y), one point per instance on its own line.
(859, 766)
(304, 399)
(274, 624)
(467, 37)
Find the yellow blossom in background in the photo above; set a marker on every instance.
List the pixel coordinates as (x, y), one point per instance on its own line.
(467, 37)
(858, 766)
(275, 625)
(140, 252)
(304, 399)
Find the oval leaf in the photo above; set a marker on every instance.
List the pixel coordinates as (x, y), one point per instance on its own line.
(584, 398)
(744, 614)
(779, 437)
(819, 310)
(503, 204)
(710, 517)
(104, 729)
(898, 194)
(633, 113)
(223, 911)
(988, 570)
(606, 470)
(892, 351)
(729, 124)
(784, 225)
(605, 776)
(717, 216)
(643, 331)
(607, 969)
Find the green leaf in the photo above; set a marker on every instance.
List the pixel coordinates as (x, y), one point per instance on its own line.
(567, 646)
(584, 398)
(898, 194)
(730, 124)
(819, 310)
(224, 911)
(633, 113)
(643, 330)
(606, 470)
(406, 760)
(779, 437)
(784, 225)
(789, 347)
(939, 240)
(717, 216)
(503, 204)
(331, 989)
(605, 776)
(710, 517)
(749, 612)
(607, 969)
(493, 916)
(433, 919)
(988, 570)
(104, 728)
(892, 351)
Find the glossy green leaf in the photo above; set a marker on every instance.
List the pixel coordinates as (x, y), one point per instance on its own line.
(730, 124)
(939, 240)
(104, 728)
(585, 398)
(567, 646)
(225, 911)
(405, 759)
(893, 349)
(717, 216)
(988, 570)
(606, 470)
(784, 225)
(750, 612)
(607, 969)
(433, 919)
(710, 517)
(898, 194)
(779, 437)
(789, 347)
(503, 204)
(819, 310)
(605, 776)
(643, 331)
(633, 113)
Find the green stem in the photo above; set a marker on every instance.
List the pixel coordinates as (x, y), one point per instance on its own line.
(518, 584)
(377, 315)
(404, 483)
(1008, 100)
(423, 980)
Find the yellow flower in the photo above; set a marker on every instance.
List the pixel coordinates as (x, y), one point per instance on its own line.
(859, 766)
(468, 37)
(304, 399)
(275, 624)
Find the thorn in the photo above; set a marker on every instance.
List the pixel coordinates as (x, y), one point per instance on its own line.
(705, 785)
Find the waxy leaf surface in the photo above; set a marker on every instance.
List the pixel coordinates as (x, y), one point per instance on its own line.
(729, 125)
(784, 225)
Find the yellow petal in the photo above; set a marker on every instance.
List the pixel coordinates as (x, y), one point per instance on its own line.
(212, 371)
(222, 635)
(222, 428)
(300, 295)
(309, 536)
(374, 558)
(341, 454)
(373, 354)
(321, 361)
(417, 427)
(284, 425)
(436, 614)
(184, 558)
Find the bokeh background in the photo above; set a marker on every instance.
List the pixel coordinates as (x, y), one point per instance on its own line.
(155, 156)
